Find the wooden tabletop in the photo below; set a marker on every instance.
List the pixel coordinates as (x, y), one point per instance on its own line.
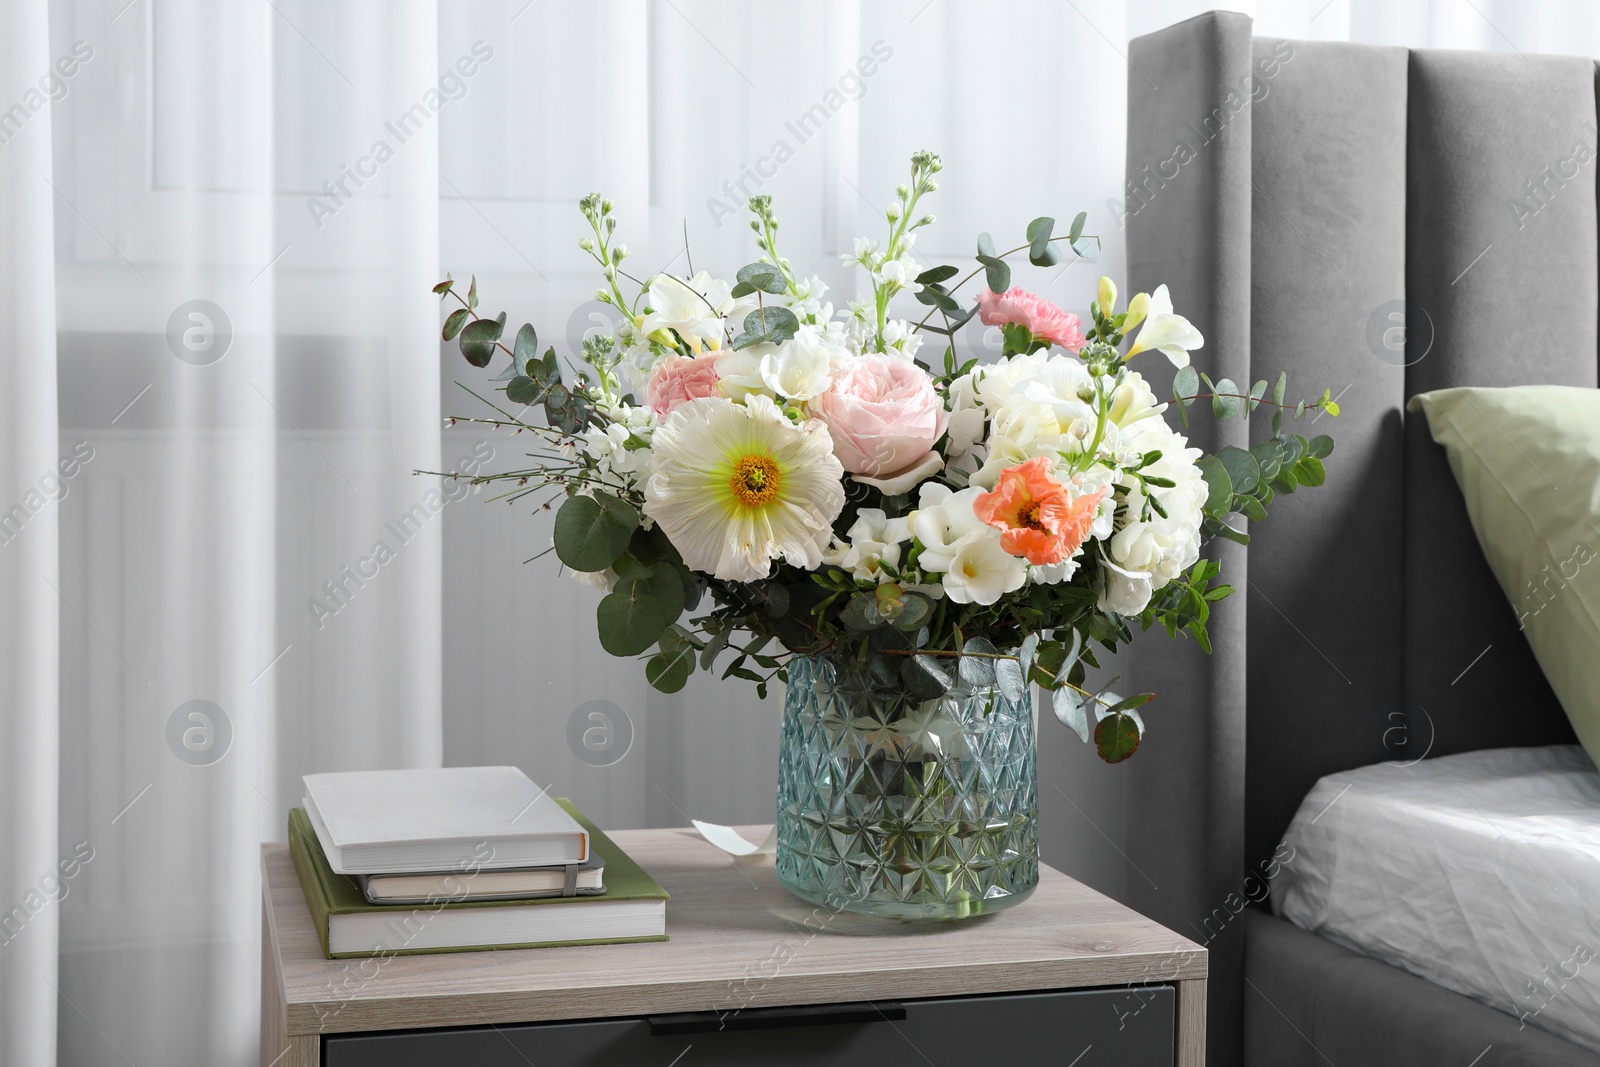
(739, 940)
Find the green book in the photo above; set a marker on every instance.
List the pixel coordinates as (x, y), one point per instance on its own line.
(633, 908)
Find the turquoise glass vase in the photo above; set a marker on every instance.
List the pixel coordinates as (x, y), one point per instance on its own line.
(900, 807)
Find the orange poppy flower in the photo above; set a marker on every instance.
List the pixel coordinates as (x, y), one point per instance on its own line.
(1036, 514)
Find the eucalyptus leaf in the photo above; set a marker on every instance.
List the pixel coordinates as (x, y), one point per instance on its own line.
(629, 624)
(937, 275)
(453, 323)
(669, 669)
(977, 664)
(997, 273)
(588, 536)
(1072, 711)
(1225, 407)
(1008, 676)
(925, 677)
(1219, 486)
(524, 390)
(1243, 471)
(1116, 737)
(1078, 221)
(525, 349)
(1185, 385)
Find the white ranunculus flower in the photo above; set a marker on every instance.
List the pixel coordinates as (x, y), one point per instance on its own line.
(801, 367)
(981, 572)
(1172, 334)
(737, 486)
(945, 522)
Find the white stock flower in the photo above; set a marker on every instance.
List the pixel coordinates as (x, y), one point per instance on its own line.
(981, 572)
(1172, 334)
(737, 486)
(901, 339)
(865, 253)
(801, 367)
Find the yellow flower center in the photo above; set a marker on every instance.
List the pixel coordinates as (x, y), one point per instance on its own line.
(755, 481)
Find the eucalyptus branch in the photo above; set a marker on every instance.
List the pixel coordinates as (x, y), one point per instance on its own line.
(1002, 255)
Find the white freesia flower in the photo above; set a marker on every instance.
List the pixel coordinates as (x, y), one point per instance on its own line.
(944, 523)
(981, 572)
(1123, 591)
(739, 371)
(801, 367)
(1172, 334)
(1132, 401)
(737, 486)
(872, 540)
(600, 581)
(695, 309)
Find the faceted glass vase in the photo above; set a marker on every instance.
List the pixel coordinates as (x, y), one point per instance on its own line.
(895, 806)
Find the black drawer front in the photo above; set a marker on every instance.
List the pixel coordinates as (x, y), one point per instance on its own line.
(1078, 1028)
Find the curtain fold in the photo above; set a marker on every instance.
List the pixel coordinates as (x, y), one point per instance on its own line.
(30, 579)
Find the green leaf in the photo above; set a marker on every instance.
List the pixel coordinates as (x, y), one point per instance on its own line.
(547, 370)
(977, 662)
(526, 348)
(1225, 407)
(472, 293)
(478, 338)
(1268, 459)
(670, 668)
(1025, 654)
(1185, 385)
(1243, 471)
(985, 245)
(760, 276)
(665, 587)
(769, 324)
(935, 275)
(1084, 248)
(524, 390)
(862, 613)
(1073, 711)
(1257, 391)
(1078, 221)
(997, 273)
(1218, 484)
(443, 287)
(1116, 737)
(1277, 400)
(914, 614)
(629, 624)
(589, 536)
(925, 677)
(453, 323)
(629, 567)
(1251, 508)
(1008, 676)
(1223, 530)
(1321, 446)
(1309, 471)
(1040, 252)
(935, 296)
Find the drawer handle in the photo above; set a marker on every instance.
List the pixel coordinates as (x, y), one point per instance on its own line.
(704, 1022)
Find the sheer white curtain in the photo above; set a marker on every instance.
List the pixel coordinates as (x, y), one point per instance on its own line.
(218, 228)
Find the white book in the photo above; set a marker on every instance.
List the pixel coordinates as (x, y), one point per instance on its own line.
(445, 819)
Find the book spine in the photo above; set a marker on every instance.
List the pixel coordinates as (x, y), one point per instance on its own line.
(316, 894)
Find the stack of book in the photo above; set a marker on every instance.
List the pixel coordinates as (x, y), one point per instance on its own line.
(461, 859)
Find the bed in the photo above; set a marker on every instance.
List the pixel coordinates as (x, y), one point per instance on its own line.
(1368, 219)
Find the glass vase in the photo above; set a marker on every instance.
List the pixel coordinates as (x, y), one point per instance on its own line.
(895, 806)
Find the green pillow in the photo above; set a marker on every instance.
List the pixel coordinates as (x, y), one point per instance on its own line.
(1527, 459)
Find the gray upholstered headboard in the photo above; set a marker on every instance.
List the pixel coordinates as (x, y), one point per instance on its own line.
(1296, 196)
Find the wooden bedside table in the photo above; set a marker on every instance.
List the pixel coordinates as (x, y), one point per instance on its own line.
(751, 975)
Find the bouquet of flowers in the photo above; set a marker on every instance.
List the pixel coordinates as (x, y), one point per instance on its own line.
(747, 474)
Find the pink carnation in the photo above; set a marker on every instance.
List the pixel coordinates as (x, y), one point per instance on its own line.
(679, 379)
(883, 415)
(1040, 317)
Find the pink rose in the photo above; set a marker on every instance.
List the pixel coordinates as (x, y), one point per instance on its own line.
(679, 379)
(884, 417)
(1040, 317)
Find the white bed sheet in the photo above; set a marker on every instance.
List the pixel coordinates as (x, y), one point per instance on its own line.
(1479, 872)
